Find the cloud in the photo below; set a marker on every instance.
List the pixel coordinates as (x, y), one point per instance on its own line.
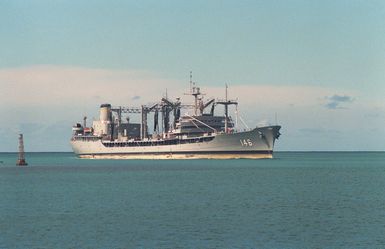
(335, 101)
(44, 100)
(276, 96)
(45, 86)
(340, 98)
(46, 93)
(65, 85)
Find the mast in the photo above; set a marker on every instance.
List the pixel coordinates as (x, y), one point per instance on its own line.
(190, 81)
(194, 91)
(84, 121)
(226, 112)
(226, 102)
(143, 124)
(21, 161)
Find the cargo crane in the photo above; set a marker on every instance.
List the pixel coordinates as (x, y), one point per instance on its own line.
(168, 107)
(143, 110)
(143, 128)
(203, 106)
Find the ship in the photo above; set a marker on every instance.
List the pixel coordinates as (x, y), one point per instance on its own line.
(200, 133)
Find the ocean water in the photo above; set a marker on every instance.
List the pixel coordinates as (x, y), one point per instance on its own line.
(297, 200)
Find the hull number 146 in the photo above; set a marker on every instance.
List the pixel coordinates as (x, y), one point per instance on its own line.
(246, 142)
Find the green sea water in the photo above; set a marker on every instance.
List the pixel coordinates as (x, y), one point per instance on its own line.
(297, 200)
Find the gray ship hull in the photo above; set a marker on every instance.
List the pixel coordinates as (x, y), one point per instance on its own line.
(253, 144)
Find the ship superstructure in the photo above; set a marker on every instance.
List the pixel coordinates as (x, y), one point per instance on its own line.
(201, 134)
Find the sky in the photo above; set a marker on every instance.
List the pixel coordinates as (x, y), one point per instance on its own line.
(314, 67)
